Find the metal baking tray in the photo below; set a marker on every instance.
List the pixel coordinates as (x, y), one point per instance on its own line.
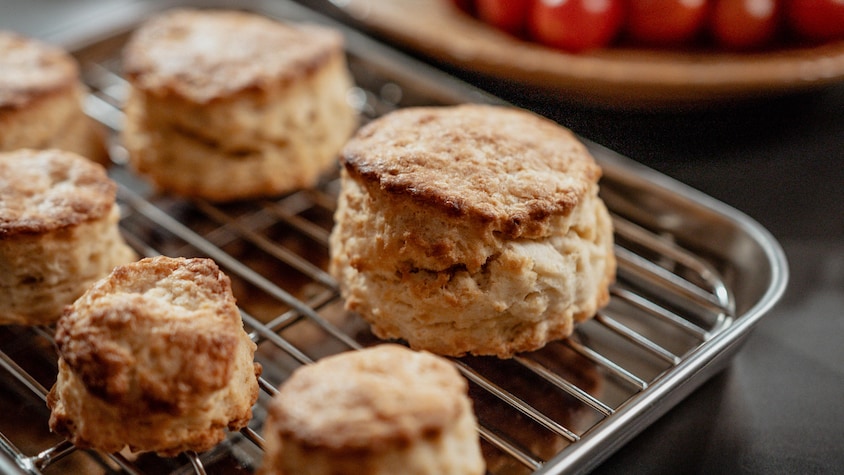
(695, 276)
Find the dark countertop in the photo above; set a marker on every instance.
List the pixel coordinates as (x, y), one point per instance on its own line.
(778, 406)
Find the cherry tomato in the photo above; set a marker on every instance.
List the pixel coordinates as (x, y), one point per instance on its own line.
(575, 25)
(665, 22)
(820, 20)
(744, 24)
(506, 15)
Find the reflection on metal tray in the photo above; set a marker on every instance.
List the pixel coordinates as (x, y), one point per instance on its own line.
(694, 278)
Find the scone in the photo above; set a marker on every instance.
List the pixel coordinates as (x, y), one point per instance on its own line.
(154, 357)
(41, 99)
(229, 105)
(471, 229)
(379, 411)
(58, 232)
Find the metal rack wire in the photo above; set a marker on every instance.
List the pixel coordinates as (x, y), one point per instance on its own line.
(668, 303)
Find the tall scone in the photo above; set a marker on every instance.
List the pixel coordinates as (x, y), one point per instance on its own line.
(58, 232)
(379, 411)
(229, 105)
(471, 229)
(41, 99)
(154, 357)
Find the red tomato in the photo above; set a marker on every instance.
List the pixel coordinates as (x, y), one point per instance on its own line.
(744, 24)
(506, 15)
(665, 22)
(575, 25)
(816, 19)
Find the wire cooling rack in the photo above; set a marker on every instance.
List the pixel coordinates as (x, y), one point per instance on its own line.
(694, 277)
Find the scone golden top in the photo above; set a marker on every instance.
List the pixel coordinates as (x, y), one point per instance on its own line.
(53, 190)
(205, 55)
(376, 399)
(157, 334)
(32, 68)
(442, 157)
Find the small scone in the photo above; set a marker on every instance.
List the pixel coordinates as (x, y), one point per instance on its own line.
(379, 411)
(154, 357)
(58, 232)
(229, 105)
(471, 229)
(41, 99)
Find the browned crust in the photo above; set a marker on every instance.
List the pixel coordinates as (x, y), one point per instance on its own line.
(210, 55)
(367, 401)
(32, 70)
(110, 337)
(47, 190)
(505, 168)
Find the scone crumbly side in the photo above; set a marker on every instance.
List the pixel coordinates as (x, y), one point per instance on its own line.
(455, 452)
(451, 288)
(40, 274)
(247, 146)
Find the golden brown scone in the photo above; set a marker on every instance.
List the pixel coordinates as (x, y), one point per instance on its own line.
(471, 229)
(41, 100)
(228, 105)
(58, 232)
(379, 411)
(154, 357)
